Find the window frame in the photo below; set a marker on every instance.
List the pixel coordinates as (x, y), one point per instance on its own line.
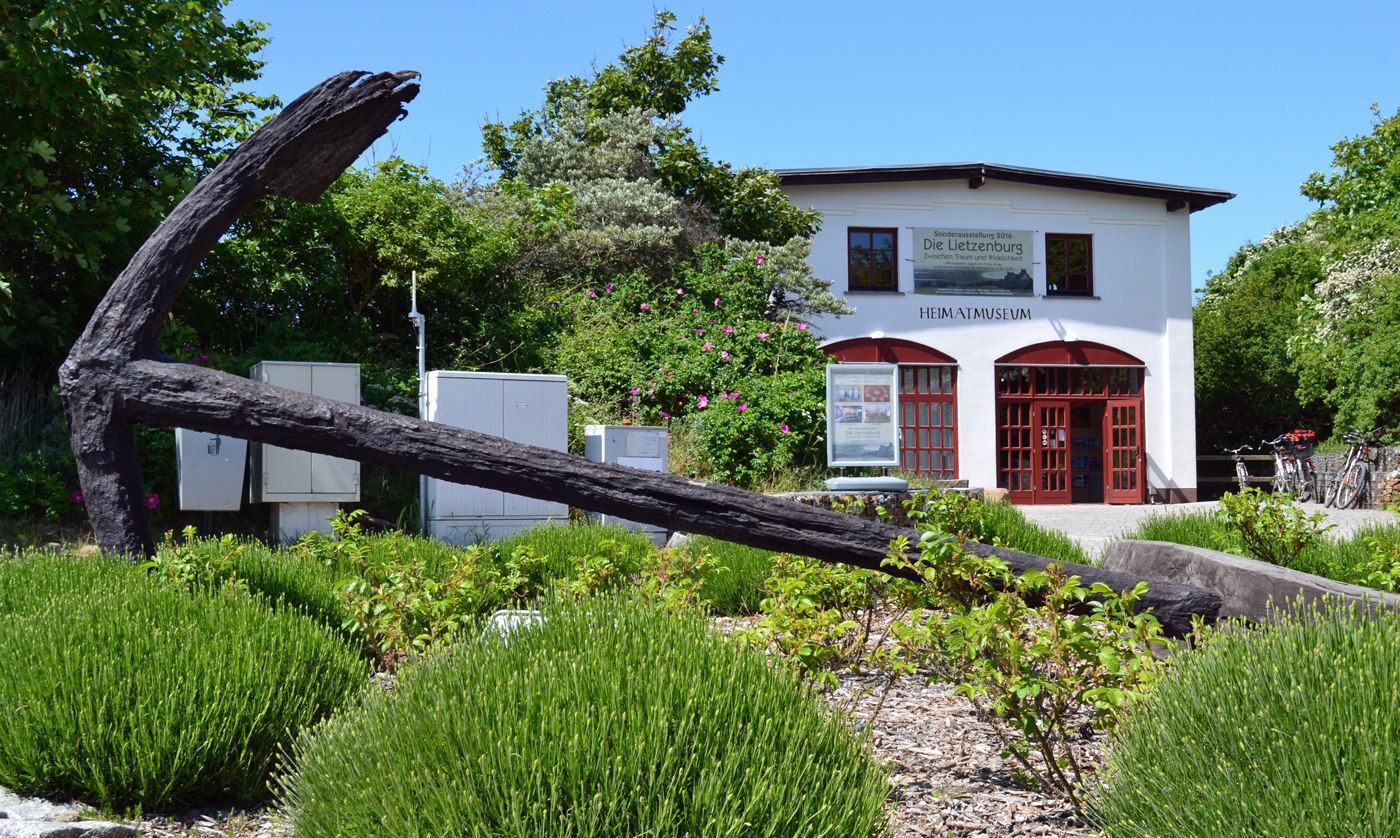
(1062, 270)
(893, 282)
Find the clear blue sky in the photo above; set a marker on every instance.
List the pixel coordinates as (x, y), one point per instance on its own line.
(1245, 97)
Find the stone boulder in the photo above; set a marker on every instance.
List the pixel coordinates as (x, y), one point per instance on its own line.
(1246, 586)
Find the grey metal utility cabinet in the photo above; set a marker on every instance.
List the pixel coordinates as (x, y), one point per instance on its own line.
(304, 488)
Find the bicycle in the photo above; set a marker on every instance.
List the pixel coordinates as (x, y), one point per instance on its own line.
(1306, 473)
(1241, 471)
(1353, 479)
(1287, 479)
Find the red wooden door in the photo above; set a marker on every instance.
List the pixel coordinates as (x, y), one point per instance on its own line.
(1123, 460)
(1015, 453)
(1052, 456)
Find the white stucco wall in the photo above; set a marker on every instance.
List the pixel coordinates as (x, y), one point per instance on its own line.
(1142, 304)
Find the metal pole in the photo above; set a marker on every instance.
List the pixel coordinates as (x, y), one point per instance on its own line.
(420, 321)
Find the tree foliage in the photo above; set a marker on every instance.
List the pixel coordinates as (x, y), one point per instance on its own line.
(112, 109)
(1301, 328)
(1366, 170)
(654, 82)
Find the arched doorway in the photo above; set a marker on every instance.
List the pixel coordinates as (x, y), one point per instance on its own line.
(927, 400)
(1070, 424)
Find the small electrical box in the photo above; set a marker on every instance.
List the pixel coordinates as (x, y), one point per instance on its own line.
(636, 446)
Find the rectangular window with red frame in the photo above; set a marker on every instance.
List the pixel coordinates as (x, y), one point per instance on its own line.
(1069, 265)
(871, 259)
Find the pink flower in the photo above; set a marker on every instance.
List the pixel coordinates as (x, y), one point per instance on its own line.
(743, 407)
(636, 390)
(724, 395)
(699, 331)
(802, 327)
(152, 500)
(680, 292)
(758, 259)
(646, 306)
(707, 347)
(734, 395)
(608, 288)
(592, 293)
(761, 335)
(729, 330)
(77, 496)
(724, 355)
(665, 415)
(701, 401)
(783, 427)
(716, 302)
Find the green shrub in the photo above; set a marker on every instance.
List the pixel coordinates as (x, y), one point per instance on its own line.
(610, 718)
(971, 519)
(1290, 729)
(736, 580)
(574, 550)
(1193, 529)
(1271, 528)
(1009, 527)
(122, 691)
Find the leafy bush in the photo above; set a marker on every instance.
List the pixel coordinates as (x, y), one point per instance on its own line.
(611, 717)
(119, 690)
(1272, 528)
(1045, 655)
(707, 352)
(972, 519)
(1289, 729)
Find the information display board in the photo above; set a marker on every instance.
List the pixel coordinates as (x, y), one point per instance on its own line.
(861, 415)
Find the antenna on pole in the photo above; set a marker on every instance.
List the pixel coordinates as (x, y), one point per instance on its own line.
(420, 321)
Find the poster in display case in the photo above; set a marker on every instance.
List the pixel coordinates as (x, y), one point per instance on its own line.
(861, 405)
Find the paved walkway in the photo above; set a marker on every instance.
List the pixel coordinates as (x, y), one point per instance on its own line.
(1094, 525)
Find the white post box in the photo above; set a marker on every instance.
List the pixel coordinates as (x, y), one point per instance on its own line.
(531, 409)
(636, 446)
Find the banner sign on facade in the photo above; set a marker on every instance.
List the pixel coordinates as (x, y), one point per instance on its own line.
(862, 415)
(972, 262)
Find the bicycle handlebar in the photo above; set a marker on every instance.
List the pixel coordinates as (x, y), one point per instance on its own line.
(1236, 451)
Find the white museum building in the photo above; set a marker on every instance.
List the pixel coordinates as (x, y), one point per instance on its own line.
(1041, 321)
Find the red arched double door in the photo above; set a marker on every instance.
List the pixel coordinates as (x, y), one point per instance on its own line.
(928, 382)
(1070, 424)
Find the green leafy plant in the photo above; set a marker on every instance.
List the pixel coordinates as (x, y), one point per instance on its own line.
(609, 717)
(1290, 728)
(191, 565)
(1272, 528)
(1039, 652)
(121, 691)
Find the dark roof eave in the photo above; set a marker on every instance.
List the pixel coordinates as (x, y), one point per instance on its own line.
(1175, 196)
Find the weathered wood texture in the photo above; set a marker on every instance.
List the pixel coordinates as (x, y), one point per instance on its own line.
(115, 376)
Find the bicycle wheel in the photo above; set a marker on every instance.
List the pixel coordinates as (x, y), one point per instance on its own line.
(1306, 484)
(1329, 497)
(1350, 488)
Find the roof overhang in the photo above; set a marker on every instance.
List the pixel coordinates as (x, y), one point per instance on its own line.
(977, 175)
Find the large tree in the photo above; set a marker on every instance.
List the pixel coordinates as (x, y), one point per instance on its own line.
(630, 187)
(112, 111)
(1300, 328)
